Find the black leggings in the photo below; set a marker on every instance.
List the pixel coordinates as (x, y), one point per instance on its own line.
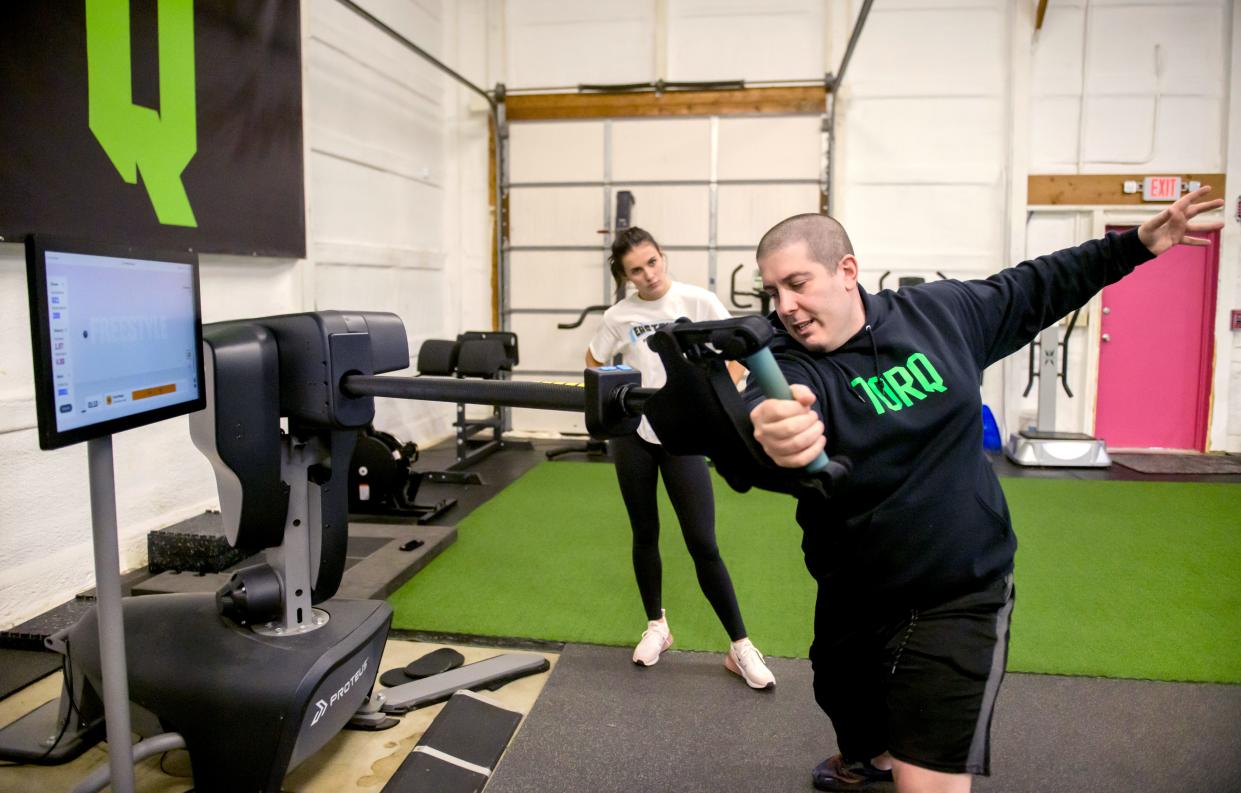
(638, 465)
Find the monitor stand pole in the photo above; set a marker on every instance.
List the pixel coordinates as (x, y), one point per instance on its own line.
(108, 600)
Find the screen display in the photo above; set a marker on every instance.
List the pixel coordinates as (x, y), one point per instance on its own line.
(117, 341)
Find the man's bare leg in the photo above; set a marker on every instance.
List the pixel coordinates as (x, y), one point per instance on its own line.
(915, 779)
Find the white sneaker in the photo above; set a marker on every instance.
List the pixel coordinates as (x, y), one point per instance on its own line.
(745, 660)
(655, 639)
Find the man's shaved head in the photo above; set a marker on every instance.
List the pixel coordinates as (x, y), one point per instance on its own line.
(826, 240)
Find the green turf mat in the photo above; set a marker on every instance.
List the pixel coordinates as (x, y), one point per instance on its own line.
(1114, 579)
(1127, 579)
(549, 558)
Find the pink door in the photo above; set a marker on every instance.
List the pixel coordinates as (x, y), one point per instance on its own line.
(1156, 350)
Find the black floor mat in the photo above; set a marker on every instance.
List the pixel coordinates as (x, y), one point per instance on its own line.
(20, 668)
(687, 725)
(1180, 463)
(31, 633)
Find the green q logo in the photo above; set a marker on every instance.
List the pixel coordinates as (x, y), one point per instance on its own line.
(139, 140)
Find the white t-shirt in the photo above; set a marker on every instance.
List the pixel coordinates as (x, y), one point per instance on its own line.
(627, 324)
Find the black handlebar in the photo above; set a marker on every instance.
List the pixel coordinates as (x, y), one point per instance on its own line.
(581, 317)
(1064, 353)
(1063, 374)
(734, 293)
(886, 273)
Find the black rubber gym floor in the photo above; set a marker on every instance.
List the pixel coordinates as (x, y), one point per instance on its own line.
(687, 725)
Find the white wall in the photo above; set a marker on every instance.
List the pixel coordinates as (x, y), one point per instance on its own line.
(396, 173)
(1226, 414)
(1155, 86)
(947, 106)
(551, 43)
(921, 162)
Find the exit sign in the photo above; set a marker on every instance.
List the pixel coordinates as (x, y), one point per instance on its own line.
(1161, 188)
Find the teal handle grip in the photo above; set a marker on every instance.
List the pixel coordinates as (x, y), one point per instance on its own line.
(771, 380)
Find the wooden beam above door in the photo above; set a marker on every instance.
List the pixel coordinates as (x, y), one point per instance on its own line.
(1090, 189)
(745, 101)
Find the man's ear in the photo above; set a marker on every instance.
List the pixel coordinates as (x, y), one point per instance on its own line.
(849, 268)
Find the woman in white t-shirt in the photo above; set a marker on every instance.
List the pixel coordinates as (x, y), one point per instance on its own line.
(640, 459)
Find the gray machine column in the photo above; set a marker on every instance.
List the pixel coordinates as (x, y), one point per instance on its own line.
(111, 624)
(1048, 372)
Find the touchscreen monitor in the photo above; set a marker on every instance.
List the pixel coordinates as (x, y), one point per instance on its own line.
(116, 334)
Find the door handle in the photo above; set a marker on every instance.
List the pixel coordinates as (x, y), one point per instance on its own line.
(1107, 337)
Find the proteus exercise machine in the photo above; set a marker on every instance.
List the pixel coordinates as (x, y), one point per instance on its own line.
(1042, 445)
(255, 678)
(258, 676)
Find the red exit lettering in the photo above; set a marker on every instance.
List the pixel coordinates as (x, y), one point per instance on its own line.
(1161, 188)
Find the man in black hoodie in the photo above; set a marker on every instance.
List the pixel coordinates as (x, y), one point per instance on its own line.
(914, 557)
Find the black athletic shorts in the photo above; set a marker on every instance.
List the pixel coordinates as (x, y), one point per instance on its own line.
(921, 685)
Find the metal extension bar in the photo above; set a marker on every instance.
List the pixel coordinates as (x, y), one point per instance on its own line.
(518, 394)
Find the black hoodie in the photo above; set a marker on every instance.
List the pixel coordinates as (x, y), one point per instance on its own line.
(922, 518)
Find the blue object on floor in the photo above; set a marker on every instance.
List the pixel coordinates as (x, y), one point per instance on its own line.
(990, 431)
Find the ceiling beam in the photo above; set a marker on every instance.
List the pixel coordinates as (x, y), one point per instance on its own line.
(745, 101)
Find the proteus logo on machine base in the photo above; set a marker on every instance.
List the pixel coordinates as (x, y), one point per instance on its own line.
(321, 707)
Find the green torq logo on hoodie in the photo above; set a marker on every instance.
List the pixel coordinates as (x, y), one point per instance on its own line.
(896, 390)
(138, 139)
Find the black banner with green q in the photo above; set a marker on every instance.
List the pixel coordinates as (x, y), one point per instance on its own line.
(162, 123)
